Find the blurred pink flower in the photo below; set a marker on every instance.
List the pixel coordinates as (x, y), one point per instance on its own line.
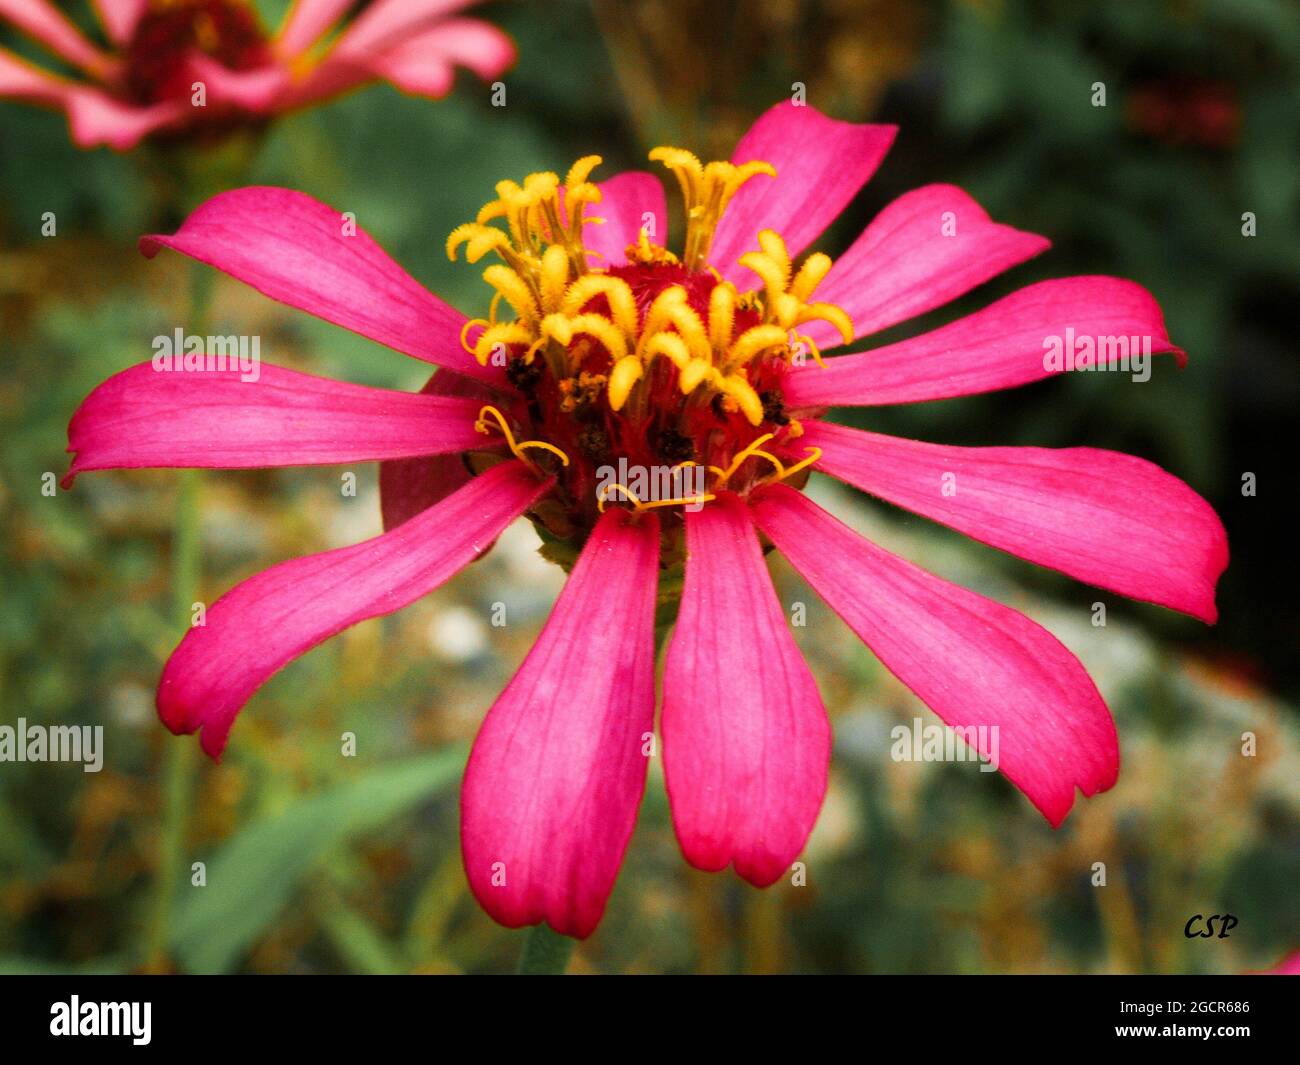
(693, 362)
(1286, 966)
(143, 83)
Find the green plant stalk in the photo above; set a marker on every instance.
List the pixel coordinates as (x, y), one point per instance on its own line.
(355, 938)
(546, 951)
(179, 753)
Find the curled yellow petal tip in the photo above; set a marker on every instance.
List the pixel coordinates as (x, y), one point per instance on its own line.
(626, 373)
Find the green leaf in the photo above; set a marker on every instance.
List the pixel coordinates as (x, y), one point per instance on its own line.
(256, 873)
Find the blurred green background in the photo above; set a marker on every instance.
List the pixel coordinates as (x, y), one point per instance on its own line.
(320, 863)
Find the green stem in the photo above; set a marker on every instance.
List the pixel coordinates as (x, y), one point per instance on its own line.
(179, 754)
(546, 951)
(356, 940)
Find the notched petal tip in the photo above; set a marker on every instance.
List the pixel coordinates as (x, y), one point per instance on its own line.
(276, 616)
(182, 719)
(553, 783)
(746, 740)
(976, 663)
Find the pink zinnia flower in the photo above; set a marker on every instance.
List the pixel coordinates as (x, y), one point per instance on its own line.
(143, 84)
(616, 349)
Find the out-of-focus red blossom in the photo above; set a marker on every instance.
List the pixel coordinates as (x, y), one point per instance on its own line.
(143, 84)
(604, 348)
(1288, 966)
(1186, 112)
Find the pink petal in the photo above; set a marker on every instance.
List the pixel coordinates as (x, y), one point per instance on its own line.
(1287, 966)
(1001, 346)
(1102, 517)
(272, 618)
(96, 118)
(820, 163)
(144, 417)
(628, 202)
(120, 17)
(20, 80)
(746, 740)
(475, 45)
(389, 22)
(408, 486)
(552, 787)
(295, 250)
(420, 59)
(256, 90)
(927, 247)
(971, 660)
(43, 22)
(306, 23)
(332, 76)
(415, 67)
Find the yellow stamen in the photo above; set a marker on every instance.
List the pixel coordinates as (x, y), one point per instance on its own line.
(738, 388)
(811, 345)
(658, 316)
(722, 315)
(532, 215)
(490, 211)
(533, 349)
(516, 448)
(554, 277)
(828, 312)
(535, 226)
(603, 493)
(688, 324)
(626, 373)
(511, 287)
(693, 374)
(622, 303)
(680, 500)
(752, 341)
(563, 329)
(706, 191)
(669, 345)
(814, 453)
(810, 275)
(786, 301)
(498, 337)
(774, 247)
(685, 167)
(645, 253)
(464, 332)
(754, 450)
(479, 240)
(602, 496)
(691, 462)
(581, 170)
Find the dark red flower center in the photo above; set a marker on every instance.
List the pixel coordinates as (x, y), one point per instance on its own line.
(659, 430)
(653, 382)
(169, 33)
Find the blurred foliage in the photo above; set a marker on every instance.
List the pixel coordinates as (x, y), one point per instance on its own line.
(321, 863)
